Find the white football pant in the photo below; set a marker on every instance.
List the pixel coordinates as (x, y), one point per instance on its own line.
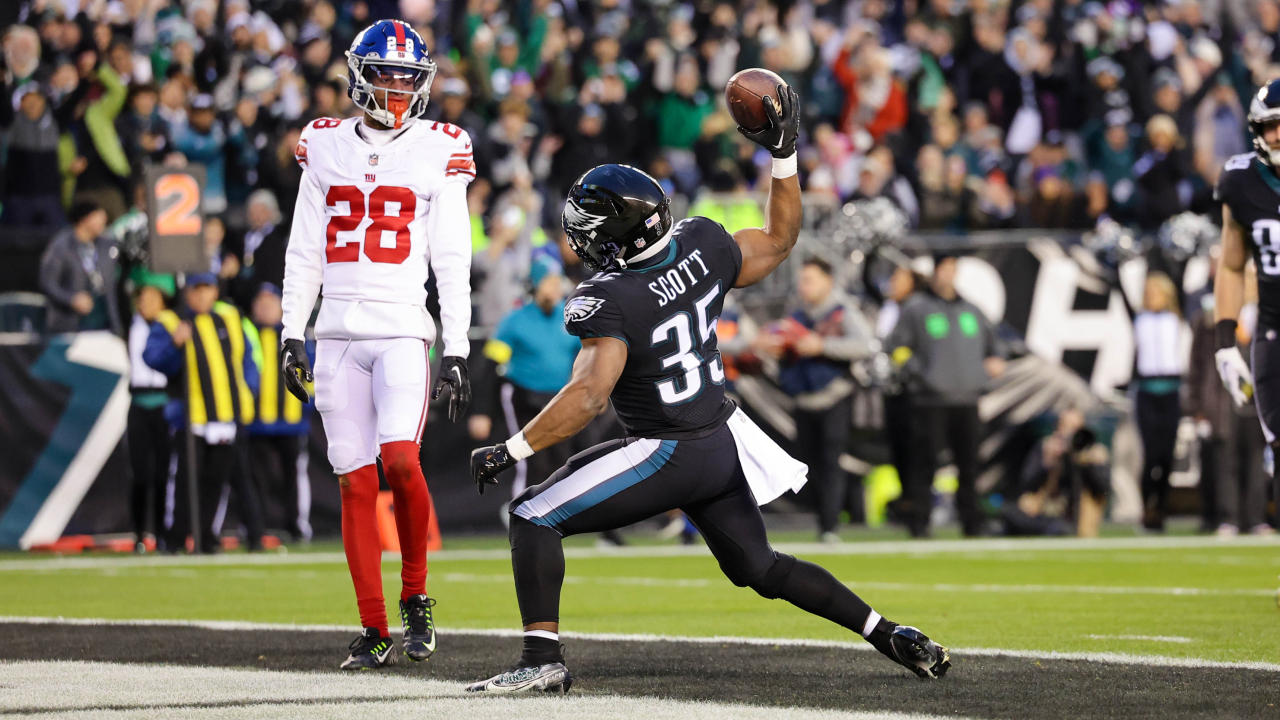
(370, 392)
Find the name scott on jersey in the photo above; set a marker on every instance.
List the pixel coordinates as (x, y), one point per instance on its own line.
(671, 285)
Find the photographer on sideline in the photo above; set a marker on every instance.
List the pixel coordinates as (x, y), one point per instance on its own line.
(1065, 480)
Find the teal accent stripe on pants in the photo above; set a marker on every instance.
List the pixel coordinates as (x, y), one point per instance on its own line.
(607, 489)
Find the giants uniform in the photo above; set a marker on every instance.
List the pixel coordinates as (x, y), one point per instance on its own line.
(689, 446)
(1252, 191)
(369, 221)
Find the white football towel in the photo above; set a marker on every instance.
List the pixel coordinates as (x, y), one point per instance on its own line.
(769, 469)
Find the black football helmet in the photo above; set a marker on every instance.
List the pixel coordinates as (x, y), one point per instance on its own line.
(1264, 109)
(615, 212)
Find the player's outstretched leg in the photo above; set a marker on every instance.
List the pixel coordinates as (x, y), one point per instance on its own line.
(735, 533)
(372, 649)
(413, 515)
(537, 559)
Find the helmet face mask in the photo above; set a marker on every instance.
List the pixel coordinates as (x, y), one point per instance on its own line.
(615, 213)
(380, 61)
(1264, 111)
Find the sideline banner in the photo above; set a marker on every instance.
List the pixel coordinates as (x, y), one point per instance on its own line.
(64, 404)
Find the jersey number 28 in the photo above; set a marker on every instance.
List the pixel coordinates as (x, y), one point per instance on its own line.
(379, 197)
(678, 328)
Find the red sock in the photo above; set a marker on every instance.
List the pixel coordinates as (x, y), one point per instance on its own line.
(413, 511)
(362, 544)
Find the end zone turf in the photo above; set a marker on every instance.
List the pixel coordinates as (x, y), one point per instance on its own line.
(614, 678)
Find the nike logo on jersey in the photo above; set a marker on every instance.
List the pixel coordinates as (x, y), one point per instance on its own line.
(581, 308)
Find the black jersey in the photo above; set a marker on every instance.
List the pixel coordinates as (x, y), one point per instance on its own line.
(1252, 191)
(673, 384)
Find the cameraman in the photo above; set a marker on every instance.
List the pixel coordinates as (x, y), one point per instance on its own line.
(1065, 480)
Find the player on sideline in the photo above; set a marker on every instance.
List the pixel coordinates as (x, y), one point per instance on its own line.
(647, 322)
(382, 197)
(1249, 188)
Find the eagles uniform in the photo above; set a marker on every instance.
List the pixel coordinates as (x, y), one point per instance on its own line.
(1251, 190)
(661, 290)
(670, 398)
(673, 386)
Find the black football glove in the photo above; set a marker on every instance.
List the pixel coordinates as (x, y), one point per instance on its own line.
(453, 372)
(296, 368)
(488, 462)
(779, 136)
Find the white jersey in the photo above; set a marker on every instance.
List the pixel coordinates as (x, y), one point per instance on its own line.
(369, 221)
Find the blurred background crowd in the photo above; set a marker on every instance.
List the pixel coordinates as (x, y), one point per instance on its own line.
(969, 115)
(964, 115)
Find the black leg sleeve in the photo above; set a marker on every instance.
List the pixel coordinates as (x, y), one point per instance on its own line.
(537, 561)
(813, 589)
(735, 533)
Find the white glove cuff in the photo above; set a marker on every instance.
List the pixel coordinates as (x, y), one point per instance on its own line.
(785, 167)
(518, 447)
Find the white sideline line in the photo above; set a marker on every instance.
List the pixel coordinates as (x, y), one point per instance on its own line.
(886, 586)
(1059, 589)
(126, 690)
(1145, 638)
(1097, 657)
(886, 547)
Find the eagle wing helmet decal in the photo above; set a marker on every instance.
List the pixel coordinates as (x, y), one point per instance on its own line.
(581, 220)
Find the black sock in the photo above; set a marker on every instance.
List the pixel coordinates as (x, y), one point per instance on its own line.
(540, 651)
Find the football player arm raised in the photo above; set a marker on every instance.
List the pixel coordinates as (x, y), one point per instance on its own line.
(764, 249)
(595, 371)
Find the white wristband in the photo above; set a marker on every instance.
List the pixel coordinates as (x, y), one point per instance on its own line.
(518, 447)
(784, 167)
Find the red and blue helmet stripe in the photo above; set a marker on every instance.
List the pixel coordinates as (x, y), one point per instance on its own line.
(389, 43)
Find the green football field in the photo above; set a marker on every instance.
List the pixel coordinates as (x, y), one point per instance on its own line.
(1176, 597)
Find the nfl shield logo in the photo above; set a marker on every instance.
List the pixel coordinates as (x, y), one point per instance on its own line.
(373, 159)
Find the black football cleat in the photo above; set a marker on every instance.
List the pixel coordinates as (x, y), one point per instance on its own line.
(369, 651)
(419, 628)
(914, 650)
(552, 678)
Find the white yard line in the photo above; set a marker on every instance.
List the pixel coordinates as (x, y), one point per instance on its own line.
(884, 586)
(888, 547)
(87, 690)
(1060, 589)
(1100, 657)
(1144, 638)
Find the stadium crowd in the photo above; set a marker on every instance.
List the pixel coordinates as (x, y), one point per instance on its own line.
(967, 115)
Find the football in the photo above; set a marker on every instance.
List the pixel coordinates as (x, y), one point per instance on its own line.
(746, 94)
